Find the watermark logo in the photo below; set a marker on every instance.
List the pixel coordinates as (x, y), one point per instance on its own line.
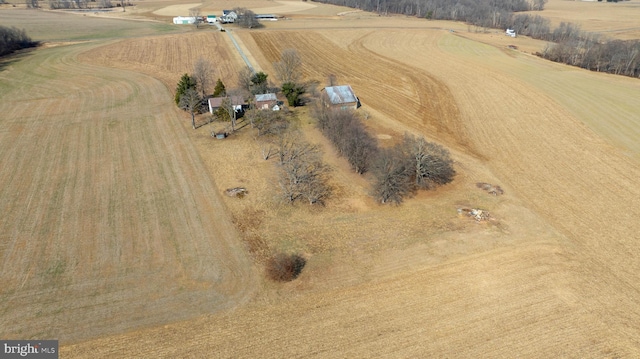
(31, 349)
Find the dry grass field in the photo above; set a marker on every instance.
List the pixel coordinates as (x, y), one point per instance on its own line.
(554, 275)
(617, 20)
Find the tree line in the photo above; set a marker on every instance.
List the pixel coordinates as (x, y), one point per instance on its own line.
(397, 172)
(572, 46)
(484, 13)
(589, 51)
(13, 39)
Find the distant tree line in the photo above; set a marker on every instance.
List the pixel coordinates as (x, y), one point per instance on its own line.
(485, 13)
(68, 4)
(572, 46)
(589, 51)
(13, 39)
(80, 4)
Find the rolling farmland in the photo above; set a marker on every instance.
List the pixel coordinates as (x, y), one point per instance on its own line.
(120, 199)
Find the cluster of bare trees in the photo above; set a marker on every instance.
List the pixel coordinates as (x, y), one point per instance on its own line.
(68, 4)
(13, 39)
(414, 164)
(32, 4)
(79, 4)
(303, 175)
(485, 13)
(530, 25)
(246, 18)
(348, 134)
(589, 51)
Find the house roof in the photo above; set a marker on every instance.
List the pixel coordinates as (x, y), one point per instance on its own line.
(340, 94)
(217, 101)
(266, 97)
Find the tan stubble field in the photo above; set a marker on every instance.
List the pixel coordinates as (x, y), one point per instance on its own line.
(556, 276)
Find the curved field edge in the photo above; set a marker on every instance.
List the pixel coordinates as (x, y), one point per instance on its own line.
(110, 220)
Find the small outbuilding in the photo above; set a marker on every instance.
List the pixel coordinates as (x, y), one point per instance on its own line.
(212, 19)
(267, 101)
(341, 97)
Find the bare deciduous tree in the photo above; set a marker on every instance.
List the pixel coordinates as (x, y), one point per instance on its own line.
(203, 71)
(289, 67)
(392, 173)
(244, 79)
(432, 164)
(271, 126)
(538, 5)
(191, 102)
(246, 18)
(302, 172)
(195, 13)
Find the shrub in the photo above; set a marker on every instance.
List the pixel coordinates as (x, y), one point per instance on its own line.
(13, 39)
(285, 268)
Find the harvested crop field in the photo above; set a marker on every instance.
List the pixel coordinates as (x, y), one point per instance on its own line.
(551, 274)
(110, 220)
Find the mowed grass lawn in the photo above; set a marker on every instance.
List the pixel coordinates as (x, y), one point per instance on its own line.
(109, 219)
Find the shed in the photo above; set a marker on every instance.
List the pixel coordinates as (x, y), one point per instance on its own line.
(267, 101)
(341, 97)
(211, 19)
(238, 102)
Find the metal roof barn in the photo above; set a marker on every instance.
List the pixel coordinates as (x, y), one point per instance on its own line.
(341, 94)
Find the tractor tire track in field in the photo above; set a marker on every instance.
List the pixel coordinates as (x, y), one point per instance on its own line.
(110, 220)
(579, 183)
(424, 103)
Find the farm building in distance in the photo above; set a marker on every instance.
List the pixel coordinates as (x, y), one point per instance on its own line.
(266, 17)
(228, 16)
(211, 19)
(184, 20)
(341, 97)
(237, 102)
(267, 101)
